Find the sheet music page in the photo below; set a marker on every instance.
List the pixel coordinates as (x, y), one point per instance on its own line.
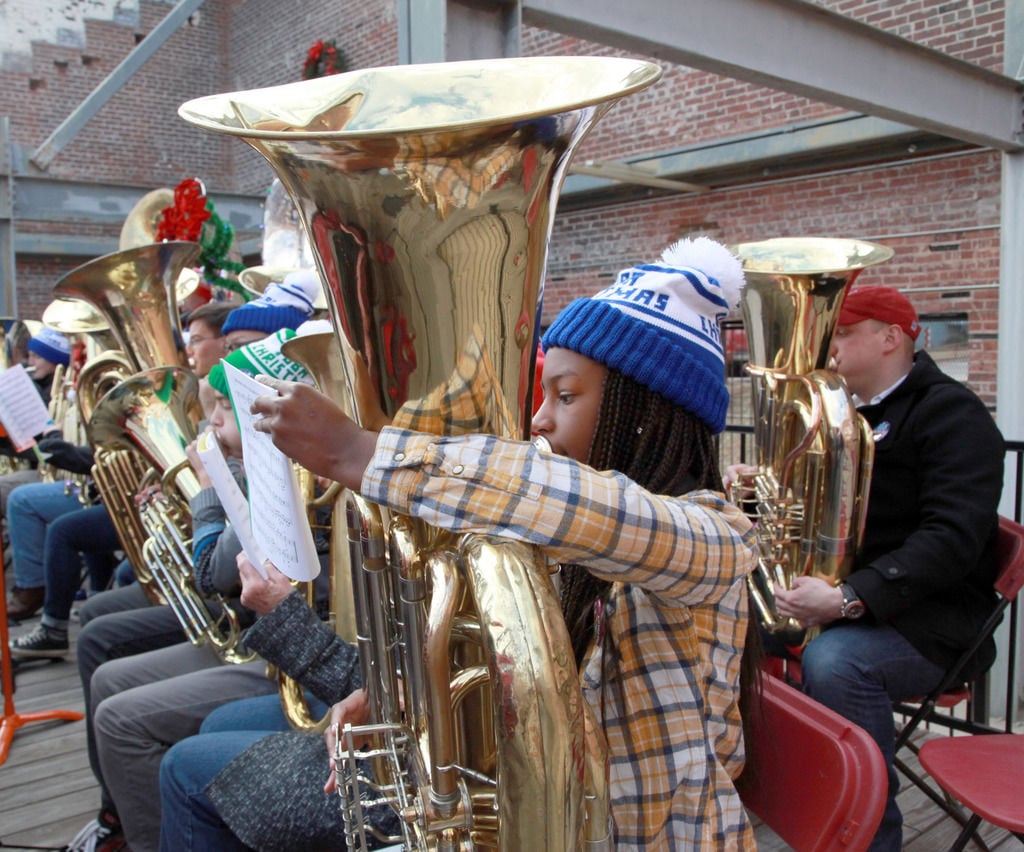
(22, 410)
(277, 512)
(236, 507)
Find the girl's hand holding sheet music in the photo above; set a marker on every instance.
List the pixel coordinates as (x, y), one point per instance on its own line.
(310, 428)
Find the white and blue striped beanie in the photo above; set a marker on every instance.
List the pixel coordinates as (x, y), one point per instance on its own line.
(51, 345)
(283, 305)
(659, 324)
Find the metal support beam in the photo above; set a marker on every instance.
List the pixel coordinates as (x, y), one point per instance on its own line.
(797, 46)
(54, 200)
(84, 112)
(449, 30)
(8, 275)
(1009, 393)
(842, 141)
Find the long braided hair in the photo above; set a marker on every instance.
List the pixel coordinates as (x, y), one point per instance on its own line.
(657, 444)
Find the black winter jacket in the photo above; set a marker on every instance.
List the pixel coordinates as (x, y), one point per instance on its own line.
(927, 562)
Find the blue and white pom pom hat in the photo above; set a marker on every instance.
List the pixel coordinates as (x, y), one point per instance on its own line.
(660, 324)
(285, 304)
(50, 344)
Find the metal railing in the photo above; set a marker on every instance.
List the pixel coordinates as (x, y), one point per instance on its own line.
(1000, 690)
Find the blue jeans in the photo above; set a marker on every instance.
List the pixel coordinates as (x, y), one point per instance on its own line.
(188, 819)
(89, 535)
(30, 510)
(260, 713)
(858, 670)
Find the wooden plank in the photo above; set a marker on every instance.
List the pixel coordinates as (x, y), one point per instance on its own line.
(48, 793)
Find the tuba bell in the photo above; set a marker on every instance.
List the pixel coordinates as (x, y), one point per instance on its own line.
(135, 292)
(814, 452)
(132, 290)
(320, 354)
(427, 193)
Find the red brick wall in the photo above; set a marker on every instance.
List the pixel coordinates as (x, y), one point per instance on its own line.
(940, 214)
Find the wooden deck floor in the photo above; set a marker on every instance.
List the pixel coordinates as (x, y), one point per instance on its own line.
(47, 791)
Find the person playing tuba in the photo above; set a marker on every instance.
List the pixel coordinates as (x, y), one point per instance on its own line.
(922, 584)
(654, 562)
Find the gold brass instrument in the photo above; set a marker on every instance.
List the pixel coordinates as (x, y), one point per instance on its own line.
(813, 450)
(155, 413)
(320, 354)
(428, 193)
(135, 292)
(80, 321)
(141, 407)
(256, 279)
(142, 222)
(85, 326)
(132, 290)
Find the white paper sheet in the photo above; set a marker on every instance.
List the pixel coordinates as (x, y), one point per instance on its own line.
(277, 512)
(22, 410)
(236, 507)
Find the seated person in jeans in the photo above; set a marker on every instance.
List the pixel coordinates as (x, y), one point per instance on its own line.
(922, 585)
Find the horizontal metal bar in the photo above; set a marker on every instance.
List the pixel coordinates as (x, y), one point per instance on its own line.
(800, 47)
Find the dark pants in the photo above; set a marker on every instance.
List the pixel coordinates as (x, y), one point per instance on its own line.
(87, 535)
(116, 624)
(859, 670)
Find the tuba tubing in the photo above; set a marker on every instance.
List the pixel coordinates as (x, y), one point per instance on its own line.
(428, 194)
(814, 451)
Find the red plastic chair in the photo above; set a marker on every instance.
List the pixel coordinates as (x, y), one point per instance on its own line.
(986, 773)
(952, 689)
(815, 779)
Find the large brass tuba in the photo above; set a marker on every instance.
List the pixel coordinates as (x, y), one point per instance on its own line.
(133, 291)
(84, 325)
(427, 193)
(814, 451)
(320, 354)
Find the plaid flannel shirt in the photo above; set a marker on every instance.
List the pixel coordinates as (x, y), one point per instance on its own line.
(677, 615)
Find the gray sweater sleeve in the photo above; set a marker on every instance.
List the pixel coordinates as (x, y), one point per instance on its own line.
(294, 639)
(214, 543)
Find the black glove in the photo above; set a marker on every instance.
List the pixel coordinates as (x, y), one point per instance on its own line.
(65, 455)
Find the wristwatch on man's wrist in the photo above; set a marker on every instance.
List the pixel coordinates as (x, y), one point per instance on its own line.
(853, 607)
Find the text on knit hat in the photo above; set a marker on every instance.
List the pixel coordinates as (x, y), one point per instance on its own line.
(262, 357)
(659, 324)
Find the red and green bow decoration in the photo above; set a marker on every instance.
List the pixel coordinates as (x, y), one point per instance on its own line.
(322, 59)
(192, 217)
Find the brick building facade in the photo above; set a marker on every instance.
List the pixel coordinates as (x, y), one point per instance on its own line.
(937, 205)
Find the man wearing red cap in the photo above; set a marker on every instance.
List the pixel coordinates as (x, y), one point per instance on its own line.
(922, 583)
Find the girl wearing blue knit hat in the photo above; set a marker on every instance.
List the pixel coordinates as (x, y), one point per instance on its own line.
(622, 488)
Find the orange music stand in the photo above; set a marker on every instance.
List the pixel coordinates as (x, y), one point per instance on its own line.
(11, 720)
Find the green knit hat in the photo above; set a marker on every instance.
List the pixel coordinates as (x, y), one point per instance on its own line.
(262, 357)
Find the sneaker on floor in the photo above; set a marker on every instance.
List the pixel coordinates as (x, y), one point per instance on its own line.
(103, 834)
(42, 642)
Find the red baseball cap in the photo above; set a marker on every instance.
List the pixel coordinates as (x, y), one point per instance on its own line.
(883, 304)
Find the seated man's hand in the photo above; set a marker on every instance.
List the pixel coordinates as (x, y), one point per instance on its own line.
(811, 601)
(259, 594)
(733, 472)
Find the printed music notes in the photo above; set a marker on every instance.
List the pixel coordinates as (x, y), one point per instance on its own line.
(235, 504)
(277, 511)
(22, 410)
